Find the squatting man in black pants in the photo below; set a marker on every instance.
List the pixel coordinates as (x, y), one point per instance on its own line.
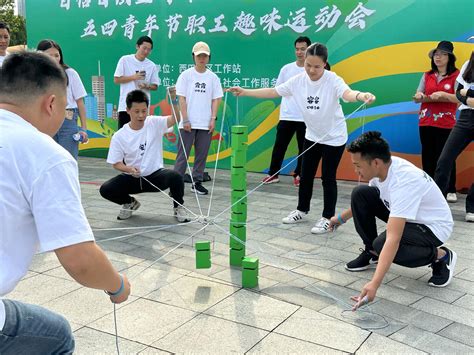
(136, 150)
(418, 217)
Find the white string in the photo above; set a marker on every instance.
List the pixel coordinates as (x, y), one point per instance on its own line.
(184, 151)
(146, 232)
(291, 161)
(170, 197)
(217, 155)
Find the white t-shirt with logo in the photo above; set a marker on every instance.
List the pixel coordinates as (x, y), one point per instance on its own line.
(142, 148)
(199, 89)
(40, 204)
(129, 65)
(289, 110)
(410, 193)
(75, 88)
(465, 84)
(319, 104)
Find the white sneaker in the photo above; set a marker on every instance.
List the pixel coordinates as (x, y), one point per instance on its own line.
(127, 209)
(294, 217)
(470, 217)
(321, 227)
(181, 214)
(452, 197)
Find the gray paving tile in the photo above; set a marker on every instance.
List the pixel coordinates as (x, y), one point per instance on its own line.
(467, 274)
(144, 321)
(445, 294)
(234, 276)
(41, 289)
(460, 333)
(377, 344)
(318, 328)
(410, 316)
(91, 341)
(446, 310)
(44, 262)
(192, 293)
(83, 306)
(429, 342)
(206, 334)
(281, 344)
(253, 309)
(329, 275)
(466, 301)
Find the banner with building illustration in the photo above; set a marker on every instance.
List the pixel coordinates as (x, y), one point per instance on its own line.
(381, 46)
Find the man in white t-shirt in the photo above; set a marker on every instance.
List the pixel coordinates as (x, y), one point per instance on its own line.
(136, 150)
(4, 41)
(135, 71)
(200, 93)
(41, 206)
(418, 217)
(291, 119)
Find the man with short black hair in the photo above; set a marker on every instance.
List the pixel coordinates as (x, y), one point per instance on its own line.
(136, 150)
(291, 119)
(418, 217)
(41, 205)
(135, 71)
(4, 41)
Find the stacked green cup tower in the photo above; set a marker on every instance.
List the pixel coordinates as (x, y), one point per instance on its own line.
(238, 219)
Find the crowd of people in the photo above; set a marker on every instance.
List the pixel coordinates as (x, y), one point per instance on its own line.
(41, 100)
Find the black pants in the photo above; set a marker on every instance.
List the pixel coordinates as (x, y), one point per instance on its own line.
(123, 118)
(418, 246)
(432, 141)
(285, 132)
(460, 137)
(119, 188)
(331, 156)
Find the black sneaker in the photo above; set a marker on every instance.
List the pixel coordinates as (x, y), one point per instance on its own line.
(201, 190)
(443, 270)
(364, 261)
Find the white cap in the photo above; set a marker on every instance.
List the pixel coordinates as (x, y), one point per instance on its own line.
(201, 48)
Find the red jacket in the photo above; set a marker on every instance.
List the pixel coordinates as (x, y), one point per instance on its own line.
(439, 114)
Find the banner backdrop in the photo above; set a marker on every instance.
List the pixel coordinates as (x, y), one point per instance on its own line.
(379, 46)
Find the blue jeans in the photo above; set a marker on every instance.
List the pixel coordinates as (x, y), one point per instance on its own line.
(31, 329)
(65, 133)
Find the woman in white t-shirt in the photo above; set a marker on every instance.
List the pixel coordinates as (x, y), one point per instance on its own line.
(461, 135)
(66, 136)
(316, 92)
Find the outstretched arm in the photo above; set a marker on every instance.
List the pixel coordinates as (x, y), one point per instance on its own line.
(355, 96)
(265, 93)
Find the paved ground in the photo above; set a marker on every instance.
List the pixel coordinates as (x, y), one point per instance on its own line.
(299, 306)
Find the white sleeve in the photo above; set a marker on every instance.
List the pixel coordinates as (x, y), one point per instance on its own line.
(119, 70)
(181, 85)
(286, 89)
(57, 210)
(158, 123)
(340, 86)
(115, 154)
(77, 87)
(216, 88)
(154, 79)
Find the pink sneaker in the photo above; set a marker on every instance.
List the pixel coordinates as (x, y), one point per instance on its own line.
(296, 181)
(270, 180)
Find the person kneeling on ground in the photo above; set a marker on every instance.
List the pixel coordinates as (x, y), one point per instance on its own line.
(137, 151)
(418, 217)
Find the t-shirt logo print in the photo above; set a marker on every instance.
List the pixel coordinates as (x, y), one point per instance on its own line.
(313, 102)
(200, 87)
(142, 148)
